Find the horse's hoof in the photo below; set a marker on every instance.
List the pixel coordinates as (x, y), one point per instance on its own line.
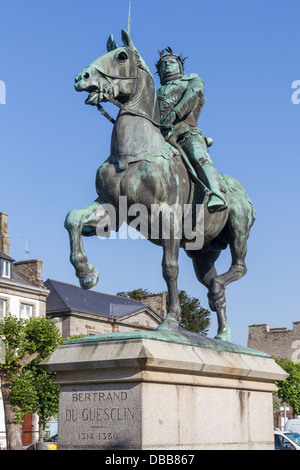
(168, 324)
(89, 280)
(225, 335)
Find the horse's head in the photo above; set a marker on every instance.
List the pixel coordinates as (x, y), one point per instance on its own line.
(113, 74)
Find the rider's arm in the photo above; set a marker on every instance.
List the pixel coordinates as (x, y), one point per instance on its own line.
(193, 95)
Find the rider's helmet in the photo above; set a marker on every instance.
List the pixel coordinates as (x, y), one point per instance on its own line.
(170, 66)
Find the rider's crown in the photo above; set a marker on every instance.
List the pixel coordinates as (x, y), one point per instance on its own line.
(169, 51)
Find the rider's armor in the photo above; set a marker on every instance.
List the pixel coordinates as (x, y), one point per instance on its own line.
(184, 95)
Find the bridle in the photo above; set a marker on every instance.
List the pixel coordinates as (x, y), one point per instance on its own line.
(115, 102)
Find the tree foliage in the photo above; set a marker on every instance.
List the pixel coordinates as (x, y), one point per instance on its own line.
(135, 294)
(26, 388)
(193, 317)
(289, 389)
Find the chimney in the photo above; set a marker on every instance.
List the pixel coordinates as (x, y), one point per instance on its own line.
(4, 238)
(32, 270)
(156, 301)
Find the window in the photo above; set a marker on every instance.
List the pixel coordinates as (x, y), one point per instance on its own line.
(26, 311)
(281, 443)
(2, 309)
(6, 269)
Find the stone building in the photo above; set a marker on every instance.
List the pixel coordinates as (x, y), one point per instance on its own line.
(278, 342)
(22, 290)
(156, 301)
(88, 312)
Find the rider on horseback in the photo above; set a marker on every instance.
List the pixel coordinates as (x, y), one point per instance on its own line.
(181, 99)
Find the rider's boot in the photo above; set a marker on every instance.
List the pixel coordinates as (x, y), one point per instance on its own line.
(216, 201)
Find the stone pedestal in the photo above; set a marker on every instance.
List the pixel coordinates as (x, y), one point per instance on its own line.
(163, 390)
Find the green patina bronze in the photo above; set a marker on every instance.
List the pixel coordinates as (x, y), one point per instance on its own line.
(160, 157)
(181, 99)
(178, 337)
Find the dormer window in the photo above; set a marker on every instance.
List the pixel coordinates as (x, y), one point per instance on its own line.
(6, 266)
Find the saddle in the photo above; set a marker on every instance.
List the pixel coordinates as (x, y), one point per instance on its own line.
(168, 151)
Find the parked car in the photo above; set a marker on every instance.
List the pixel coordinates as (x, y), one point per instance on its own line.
(286, 440)
(52, 442)
(292, 425)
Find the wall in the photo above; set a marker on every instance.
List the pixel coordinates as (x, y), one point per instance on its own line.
(14, 300)
(77, 323)
(278, 342)
(32, 270)
(156, 301)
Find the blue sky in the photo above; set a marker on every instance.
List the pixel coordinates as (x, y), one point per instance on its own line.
(52, 144)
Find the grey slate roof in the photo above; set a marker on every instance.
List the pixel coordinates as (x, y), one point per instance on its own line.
(5, 256)
(67, 297)
(16, 277)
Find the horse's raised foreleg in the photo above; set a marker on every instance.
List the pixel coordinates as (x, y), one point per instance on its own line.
(170, 274)
(78, 222)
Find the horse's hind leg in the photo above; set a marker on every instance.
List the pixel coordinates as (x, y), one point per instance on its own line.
(84, 222)
(204, 265)
(238, 229)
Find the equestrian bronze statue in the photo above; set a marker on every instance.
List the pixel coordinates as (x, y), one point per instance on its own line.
(159, 158)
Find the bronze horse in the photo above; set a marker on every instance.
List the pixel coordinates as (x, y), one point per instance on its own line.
(149, 171)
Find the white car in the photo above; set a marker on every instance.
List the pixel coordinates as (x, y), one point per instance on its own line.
(292, 425)
(285, 440)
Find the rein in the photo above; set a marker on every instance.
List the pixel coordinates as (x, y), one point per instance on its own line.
(129, 111)
(121, 106)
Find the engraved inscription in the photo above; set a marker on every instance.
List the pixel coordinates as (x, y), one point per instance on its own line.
(98, 417)
(114, 413)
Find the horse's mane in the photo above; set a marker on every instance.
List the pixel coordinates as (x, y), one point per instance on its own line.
(141, 63)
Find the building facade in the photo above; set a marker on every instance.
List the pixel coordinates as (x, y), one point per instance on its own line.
(23, 295)
(280, 343)
(88, 312)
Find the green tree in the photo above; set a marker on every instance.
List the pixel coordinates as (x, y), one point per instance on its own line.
(25, 387)
(47, 393)
(289, 389)
(135, 294)
(193, 317)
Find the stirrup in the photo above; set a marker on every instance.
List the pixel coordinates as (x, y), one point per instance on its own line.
(216, 204)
